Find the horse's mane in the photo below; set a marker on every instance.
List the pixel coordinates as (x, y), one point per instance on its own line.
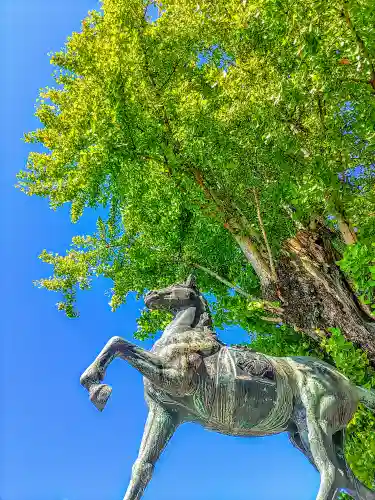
(206, 318)
(206, 322)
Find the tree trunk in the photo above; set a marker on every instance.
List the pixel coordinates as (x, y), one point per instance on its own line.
(313, 291)
(315, 294)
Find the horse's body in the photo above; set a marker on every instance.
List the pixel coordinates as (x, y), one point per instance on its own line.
(216, 393)
(190, 376)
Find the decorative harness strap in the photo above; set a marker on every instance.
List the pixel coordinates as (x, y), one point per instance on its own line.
(278, 417)
(225, 388)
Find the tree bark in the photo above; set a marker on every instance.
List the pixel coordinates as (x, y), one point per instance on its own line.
(315, 294)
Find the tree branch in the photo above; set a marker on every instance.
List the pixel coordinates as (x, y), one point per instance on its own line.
(271, 319)
(268, 306)
(237, 227)
(360, 42)
(252, 255)
(270, 257)
(224, 281)
(248, 247)
(168, 78)
(346, 230)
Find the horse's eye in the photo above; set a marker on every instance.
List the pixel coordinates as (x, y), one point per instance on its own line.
(191, 295)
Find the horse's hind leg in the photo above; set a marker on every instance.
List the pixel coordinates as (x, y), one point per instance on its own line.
(357, 489)
(344, 477)
(318, 445)
(296, 440)
(150, 365)
(324, 458)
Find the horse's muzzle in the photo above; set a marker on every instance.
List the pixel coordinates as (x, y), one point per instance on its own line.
(149, 297)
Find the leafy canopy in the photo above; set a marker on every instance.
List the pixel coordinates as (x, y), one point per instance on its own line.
(243, 95)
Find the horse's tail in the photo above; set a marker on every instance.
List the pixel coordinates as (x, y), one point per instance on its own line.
(366, 397)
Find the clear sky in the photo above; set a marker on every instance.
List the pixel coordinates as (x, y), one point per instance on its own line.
(54, 445)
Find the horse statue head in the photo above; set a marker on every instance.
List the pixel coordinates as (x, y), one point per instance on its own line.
(178, 297)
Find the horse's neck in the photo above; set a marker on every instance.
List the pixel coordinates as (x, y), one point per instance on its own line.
(183, 320)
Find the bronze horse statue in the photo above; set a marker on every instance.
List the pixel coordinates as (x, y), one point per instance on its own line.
(190, 376)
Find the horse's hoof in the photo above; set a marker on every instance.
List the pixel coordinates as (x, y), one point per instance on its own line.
(99, 394)
(88, 378)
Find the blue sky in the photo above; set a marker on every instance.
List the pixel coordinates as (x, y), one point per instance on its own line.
(54, 445)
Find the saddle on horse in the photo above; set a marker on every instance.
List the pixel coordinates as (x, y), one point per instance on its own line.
(252, 365)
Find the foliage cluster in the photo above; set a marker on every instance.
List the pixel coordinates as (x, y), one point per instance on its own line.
(358, 263)
(239, 95)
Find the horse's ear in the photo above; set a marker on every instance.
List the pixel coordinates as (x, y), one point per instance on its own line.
(191, 282)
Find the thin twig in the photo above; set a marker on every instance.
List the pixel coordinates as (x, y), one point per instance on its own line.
(356, 80)
(321, 114)
(224, 281)
(168, 78)
(268, 306)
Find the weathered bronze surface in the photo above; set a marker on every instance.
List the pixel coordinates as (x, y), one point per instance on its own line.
(191, 376)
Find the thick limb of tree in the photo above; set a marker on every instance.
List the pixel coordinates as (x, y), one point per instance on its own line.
(315, 293)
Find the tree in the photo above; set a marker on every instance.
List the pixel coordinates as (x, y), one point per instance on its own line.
(233, 138)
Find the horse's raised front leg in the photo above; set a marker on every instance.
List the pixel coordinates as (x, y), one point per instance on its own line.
(150, 365)
(159, 428)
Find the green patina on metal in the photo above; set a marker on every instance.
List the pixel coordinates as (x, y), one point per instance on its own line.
(191, 376)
